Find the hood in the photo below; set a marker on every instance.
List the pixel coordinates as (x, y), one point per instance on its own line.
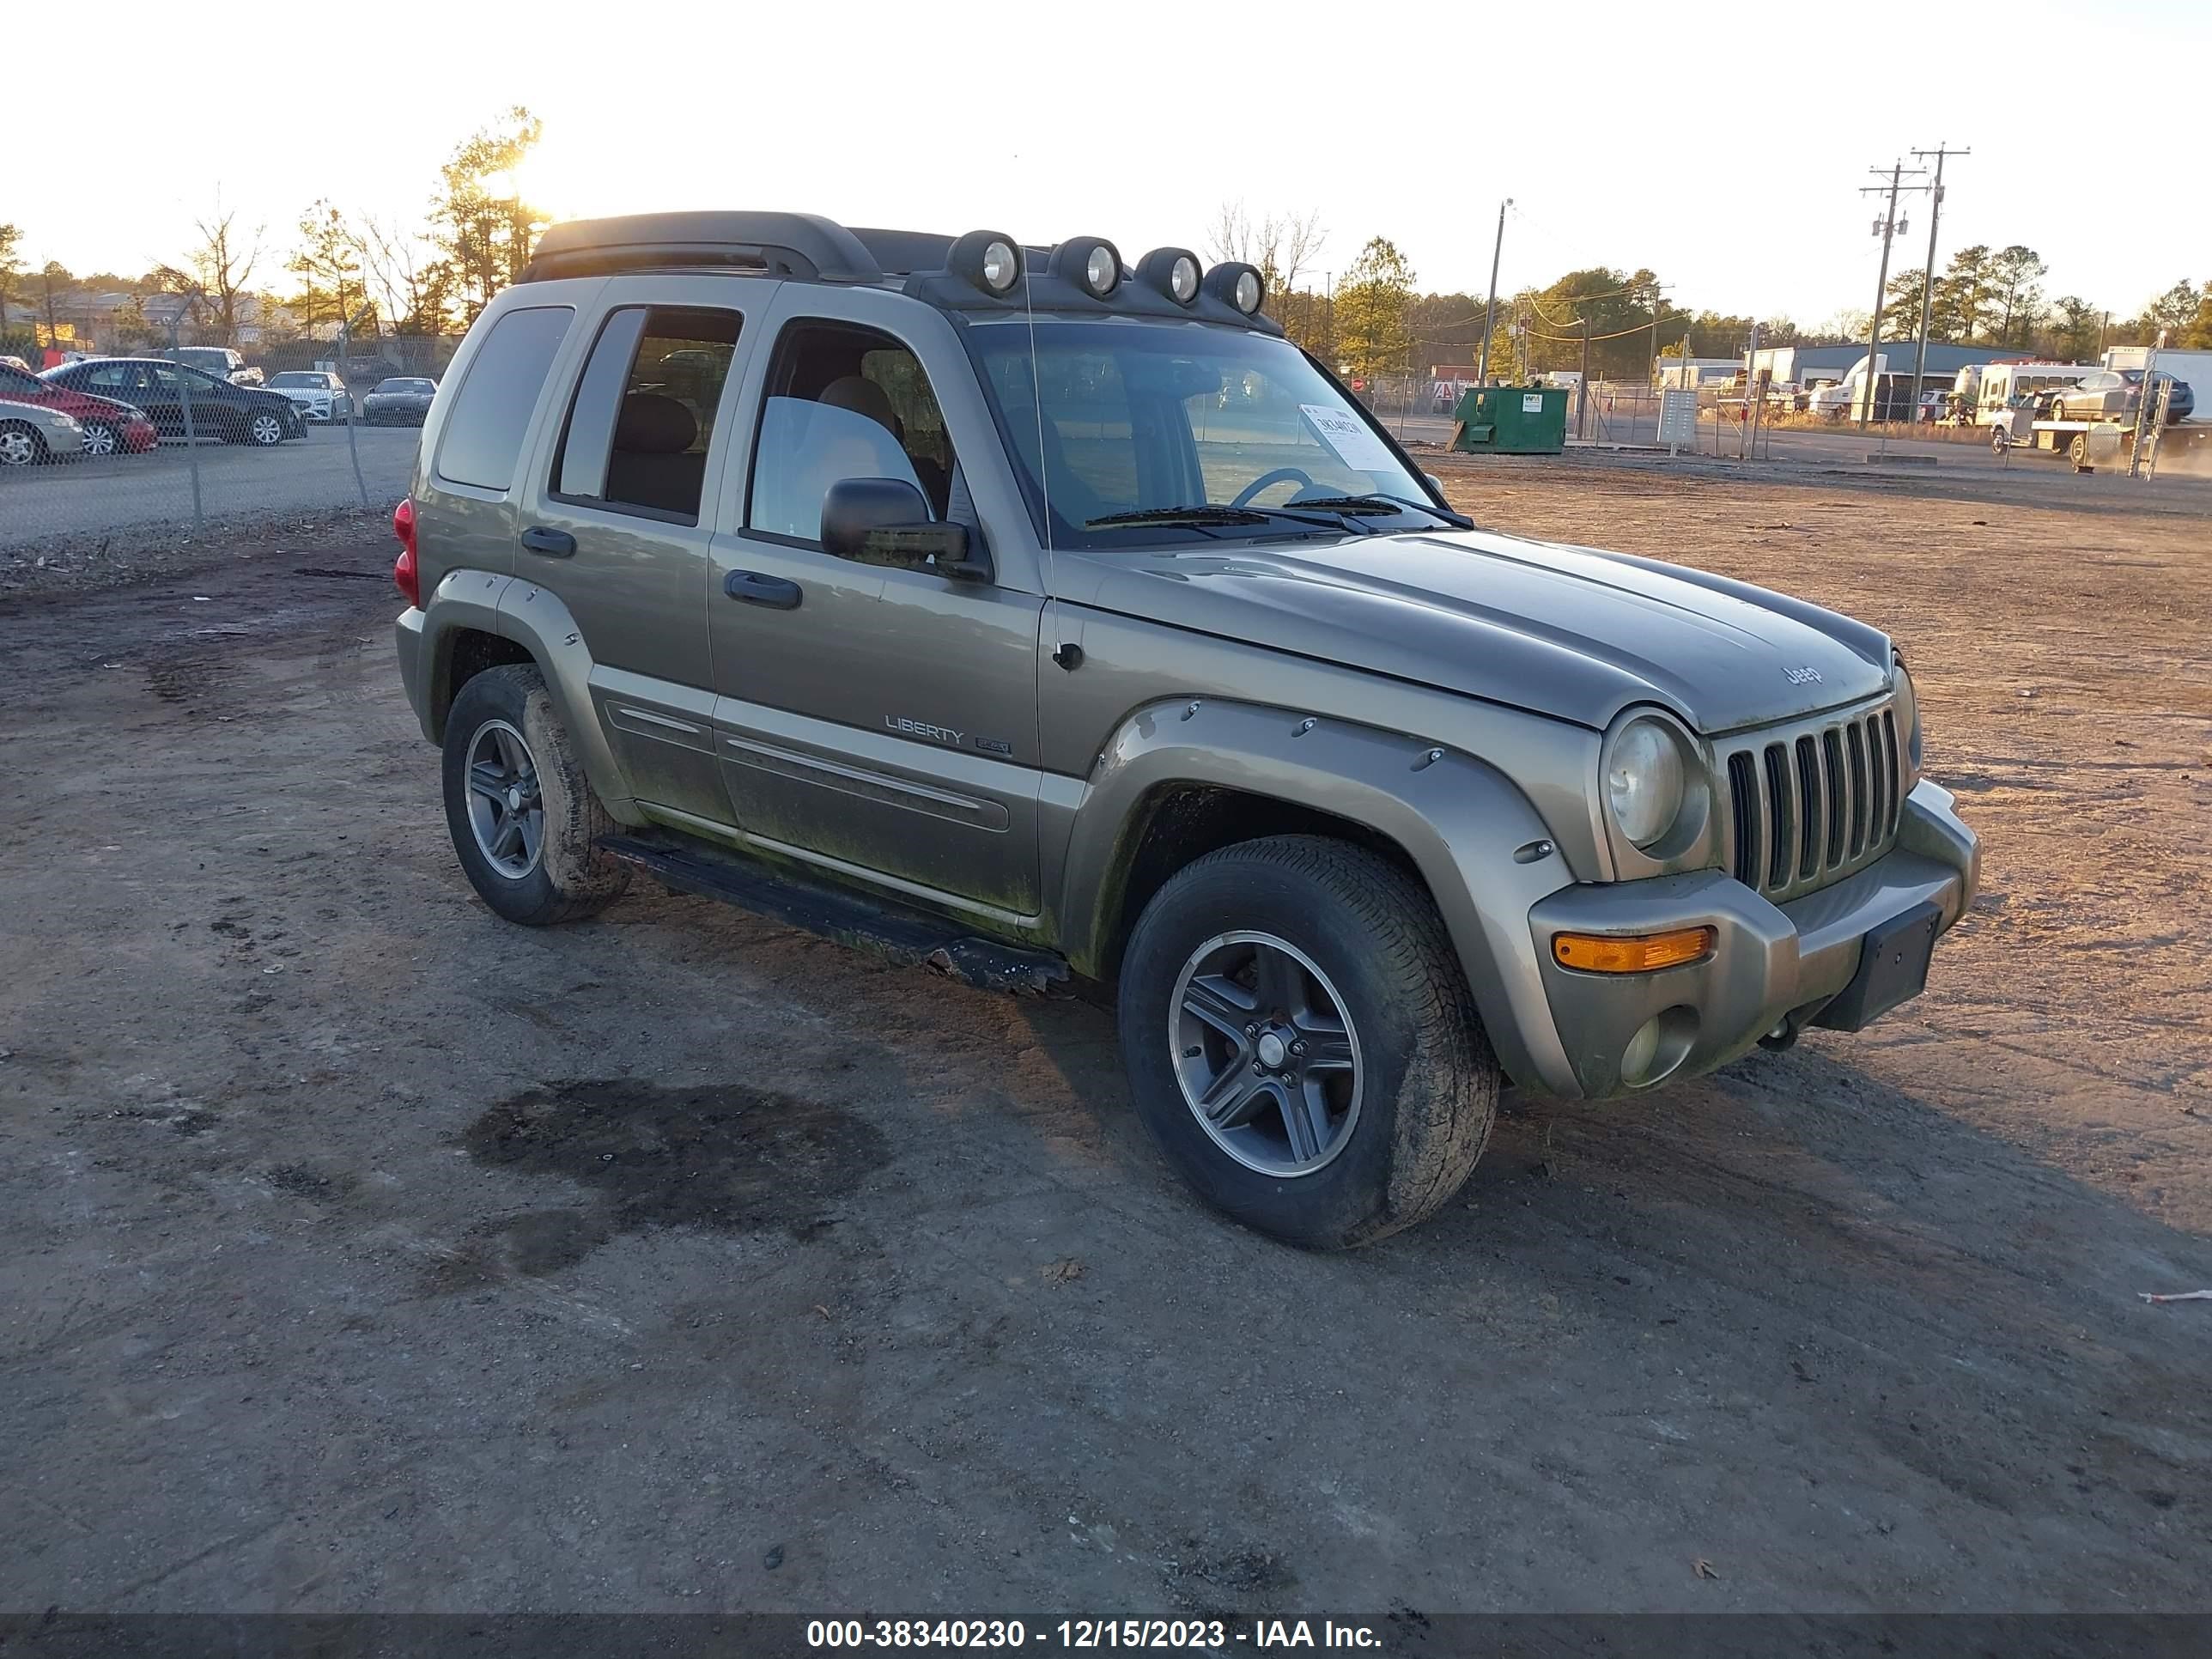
(1566, 631)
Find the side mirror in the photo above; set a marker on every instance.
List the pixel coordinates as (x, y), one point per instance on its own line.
(885, 521)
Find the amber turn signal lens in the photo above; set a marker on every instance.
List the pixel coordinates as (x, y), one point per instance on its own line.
(1639, 953)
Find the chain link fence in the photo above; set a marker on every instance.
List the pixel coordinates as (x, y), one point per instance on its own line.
(108, 453)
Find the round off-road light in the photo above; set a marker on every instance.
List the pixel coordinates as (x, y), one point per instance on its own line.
(1171, 271)
(1101, 271)
(1237, 286)
(989, 259)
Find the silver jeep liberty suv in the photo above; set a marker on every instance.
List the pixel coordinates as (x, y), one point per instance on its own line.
(1040, 617)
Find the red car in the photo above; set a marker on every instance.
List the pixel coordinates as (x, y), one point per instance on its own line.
(110, 428)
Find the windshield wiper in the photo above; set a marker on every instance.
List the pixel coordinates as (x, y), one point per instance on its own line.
(1202, 516)
(1377, 502)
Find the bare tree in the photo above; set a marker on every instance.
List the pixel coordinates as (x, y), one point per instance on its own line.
(1283, 246)
(397, 265)
(215, 272)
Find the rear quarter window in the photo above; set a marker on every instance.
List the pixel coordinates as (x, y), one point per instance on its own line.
(486, 425)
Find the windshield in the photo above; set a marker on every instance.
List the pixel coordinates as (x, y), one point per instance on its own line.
(300, 377)
(1144, 416)
(406, 386)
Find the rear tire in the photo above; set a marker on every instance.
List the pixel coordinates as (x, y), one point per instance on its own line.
(1332, 952)
(523, 818)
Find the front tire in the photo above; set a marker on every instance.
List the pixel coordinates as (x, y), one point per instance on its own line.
(100, 439)
(21, 444)
(1301, 1044)
(522, 815)
(263, 428)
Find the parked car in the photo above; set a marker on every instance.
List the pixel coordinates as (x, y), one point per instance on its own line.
(11, 361)
(110, 427)
(31, 433)
(221, 362)
(220, 409)
(2116, 394)
(1360, 809)
(320, 396)
(404, 400)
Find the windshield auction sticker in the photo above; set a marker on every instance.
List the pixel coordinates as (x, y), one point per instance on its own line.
(1353, 442)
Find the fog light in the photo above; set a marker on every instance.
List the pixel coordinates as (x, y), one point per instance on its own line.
(1637, 953)
(1248, 292)
(1642, 1048)
(1182, 279)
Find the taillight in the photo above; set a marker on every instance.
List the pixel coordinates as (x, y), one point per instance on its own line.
(405, 575)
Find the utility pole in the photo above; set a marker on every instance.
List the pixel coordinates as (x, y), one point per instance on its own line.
(1928, 272)
(1490, 322)
(1652, 374)
(1887, 228)
(1582, 391)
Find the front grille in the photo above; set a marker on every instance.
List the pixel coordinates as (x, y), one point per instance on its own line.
(1812, 801)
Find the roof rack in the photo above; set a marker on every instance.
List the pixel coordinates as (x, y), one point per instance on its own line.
(806, 247)
(801, 244)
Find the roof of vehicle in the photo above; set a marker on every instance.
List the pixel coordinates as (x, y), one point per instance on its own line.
(806, 247)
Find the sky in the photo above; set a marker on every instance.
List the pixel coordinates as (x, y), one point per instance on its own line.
(1723, 146)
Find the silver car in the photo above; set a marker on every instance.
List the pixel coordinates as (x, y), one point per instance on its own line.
(320, 396)
(30, 434)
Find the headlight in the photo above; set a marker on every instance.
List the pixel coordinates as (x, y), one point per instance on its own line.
(1907, 711)
(1644, 782)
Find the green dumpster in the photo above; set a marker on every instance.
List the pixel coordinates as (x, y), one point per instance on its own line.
(1512, 420)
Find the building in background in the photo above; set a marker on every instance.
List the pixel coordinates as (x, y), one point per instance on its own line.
(1811, 365)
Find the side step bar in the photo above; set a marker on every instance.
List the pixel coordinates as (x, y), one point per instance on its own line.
(913, 937)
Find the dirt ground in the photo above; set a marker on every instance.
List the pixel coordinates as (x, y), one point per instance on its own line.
(358, 1251)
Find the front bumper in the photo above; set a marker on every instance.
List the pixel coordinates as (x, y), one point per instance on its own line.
(1772, 967)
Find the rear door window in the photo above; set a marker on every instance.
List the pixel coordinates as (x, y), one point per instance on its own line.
(643, 417)
(485, 428)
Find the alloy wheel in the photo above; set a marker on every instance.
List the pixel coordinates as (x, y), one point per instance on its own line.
(267, 429)
(507, 809)
(1266, 1053)
(17, 447)
(99, 439)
